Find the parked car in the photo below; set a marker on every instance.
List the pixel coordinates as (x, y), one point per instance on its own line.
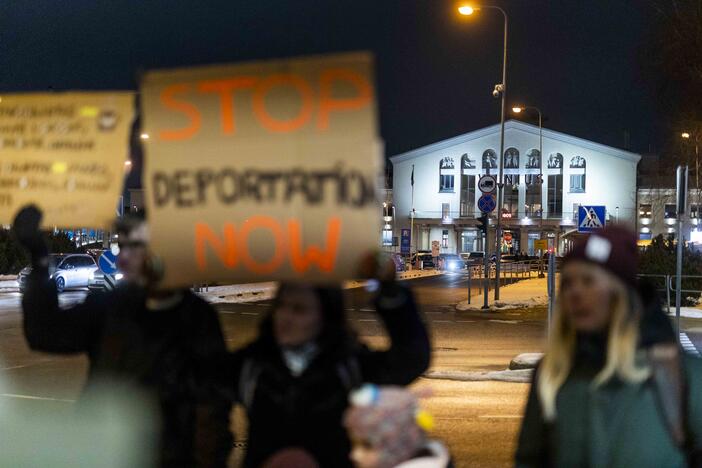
(451, 262)
(472, 258)
(427, 261)
(66, 270)
(96, 282)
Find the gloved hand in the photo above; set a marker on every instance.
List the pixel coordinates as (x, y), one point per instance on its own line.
(26, 230)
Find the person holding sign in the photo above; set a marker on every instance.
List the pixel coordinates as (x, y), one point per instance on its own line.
(294, 379)
(135, 336)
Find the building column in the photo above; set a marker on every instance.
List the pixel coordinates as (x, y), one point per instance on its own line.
(459, 239)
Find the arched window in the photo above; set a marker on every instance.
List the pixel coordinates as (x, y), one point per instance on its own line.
(511, 158)
(446, 168)
(577, 174)
(466, 162)
(489, 159)
(555, 161)
(533, 159)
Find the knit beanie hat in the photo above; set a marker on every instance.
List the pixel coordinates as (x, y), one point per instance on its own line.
(387, 425)
(612, 248)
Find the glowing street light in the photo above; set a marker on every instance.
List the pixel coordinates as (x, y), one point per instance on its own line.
(517, 110)
(466, 10)
(685, 135)
(144, 136)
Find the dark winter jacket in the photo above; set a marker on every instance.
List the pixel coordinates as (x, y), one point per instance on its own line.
(616, 424)
(154, 350)
(306, 411)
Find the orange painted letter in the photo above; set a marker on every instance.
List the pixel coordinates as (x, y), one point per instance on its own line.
(226, 89)
(262, 222)
(327, 103)
(168, 100)
(277, 125)
(225, 249)
(325, 259)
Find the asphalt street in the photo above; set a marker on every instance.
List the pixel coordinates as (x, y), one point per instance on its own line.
(468, 414)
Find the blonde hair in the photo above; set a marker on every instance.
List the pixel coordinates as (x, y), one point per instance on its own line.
(625, 313)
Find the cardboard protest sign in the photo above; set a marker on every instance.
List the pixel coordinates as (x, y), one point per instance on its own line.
(263, 170)
(64, 152)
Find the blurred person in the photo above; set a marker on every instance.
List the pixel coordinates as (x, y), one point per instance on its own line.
(293, 379)
(613, 389)
(135, 336)
(388, 429)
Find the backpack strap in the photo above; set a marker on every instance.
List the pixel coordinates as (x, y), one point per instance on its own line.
(668, 377)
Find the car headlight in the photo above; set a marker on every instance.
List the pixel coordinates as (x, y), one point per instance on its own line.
(119, 276)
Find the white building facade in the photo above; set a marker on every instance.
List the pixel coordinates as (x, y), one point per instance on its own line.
(542, 191)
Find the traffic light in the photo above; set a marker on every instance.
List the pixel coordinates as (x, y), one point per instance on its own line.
(483, 223)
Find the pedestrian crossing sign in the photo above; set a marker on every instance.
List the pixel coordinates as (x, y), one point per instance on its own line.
(591, 218)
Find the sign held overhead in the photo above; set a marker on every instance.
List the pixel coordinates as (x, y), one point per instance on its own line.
(262, 170)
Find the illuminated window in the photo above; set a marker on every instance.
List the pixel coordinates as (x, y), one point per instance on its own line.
(444, 238)
(387, 237)
(446, 168)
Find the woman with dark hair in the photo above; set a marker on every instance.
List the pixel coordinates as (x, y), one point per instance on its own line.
(294, 379)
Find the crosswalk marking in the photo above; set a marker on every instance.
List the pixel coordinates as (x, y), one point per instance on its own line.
(687, 345)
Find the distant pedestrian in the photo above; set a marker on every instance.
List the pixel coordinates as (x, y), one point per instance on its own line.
(613, 388)
(294, 378)
(388, 430)
(135, 336)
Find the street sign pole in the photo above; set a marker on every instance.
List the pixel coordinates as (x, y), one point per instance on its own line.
(681, 199)
(486, 271)
(551, 286)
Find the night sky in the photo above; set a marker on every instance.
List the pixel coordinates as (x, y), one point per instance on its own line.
(577, 60)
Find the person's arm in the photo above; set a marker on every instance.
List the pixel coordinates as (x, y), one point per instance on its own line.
(46, 326)
(531, 445)
(213, 438)
(410, 351)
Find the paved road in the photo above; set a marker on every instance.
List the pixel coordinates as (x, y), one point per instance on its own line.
(467, 413)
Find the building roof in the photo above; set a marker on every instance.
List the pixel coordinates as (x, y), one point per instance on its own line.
(516, 125)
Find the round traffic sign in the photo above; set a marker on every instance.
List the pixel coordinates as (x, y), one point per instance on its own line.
(108, 262)
(487, 184)
(486, 203)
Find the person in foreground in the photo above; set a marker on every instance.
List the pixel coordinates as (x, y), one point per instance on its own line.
(613, 389)
(137, 339)
(389, 430)
(294, 379)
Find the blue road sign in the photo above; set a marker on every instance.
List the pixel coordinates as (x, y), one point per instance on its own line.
(108, 262)
(405, 242)
(591, 218)
(486, 203)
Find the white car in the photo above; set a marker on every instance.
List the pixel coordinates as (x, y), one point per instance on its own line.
(66, 270)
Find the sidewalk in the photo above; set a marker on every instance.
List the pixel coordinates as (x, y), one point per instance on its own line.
(521, 295)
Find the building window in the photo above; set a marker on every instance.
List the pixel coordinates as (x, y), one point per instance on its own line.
(446, 212)
(511, 158)
(466, 162)
(645, 211)
(577, 183)
(387, 237)
(533, 159)
(555, 161)
(694, 211)
(533, 195)
(444, 238)
(489, 159)
(446, 168)
(446, 183)
(555, 195)
(670, 212)
(510, 207)
(467, 195)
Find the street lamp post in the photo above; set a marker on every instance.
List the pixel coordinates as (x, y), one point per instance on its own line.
(517, 110)
(501, 90)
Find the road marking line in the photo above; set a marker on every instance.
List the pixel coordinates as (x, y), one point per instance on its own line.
(687, 344)
(249, 313)
(465, 321)
(442, 321)
(365, 309)
(505, 321)
(29, 397)
(367, 320)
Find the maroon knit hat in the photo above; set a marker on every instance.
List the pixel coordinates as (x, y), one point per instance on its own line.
(612, 248)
